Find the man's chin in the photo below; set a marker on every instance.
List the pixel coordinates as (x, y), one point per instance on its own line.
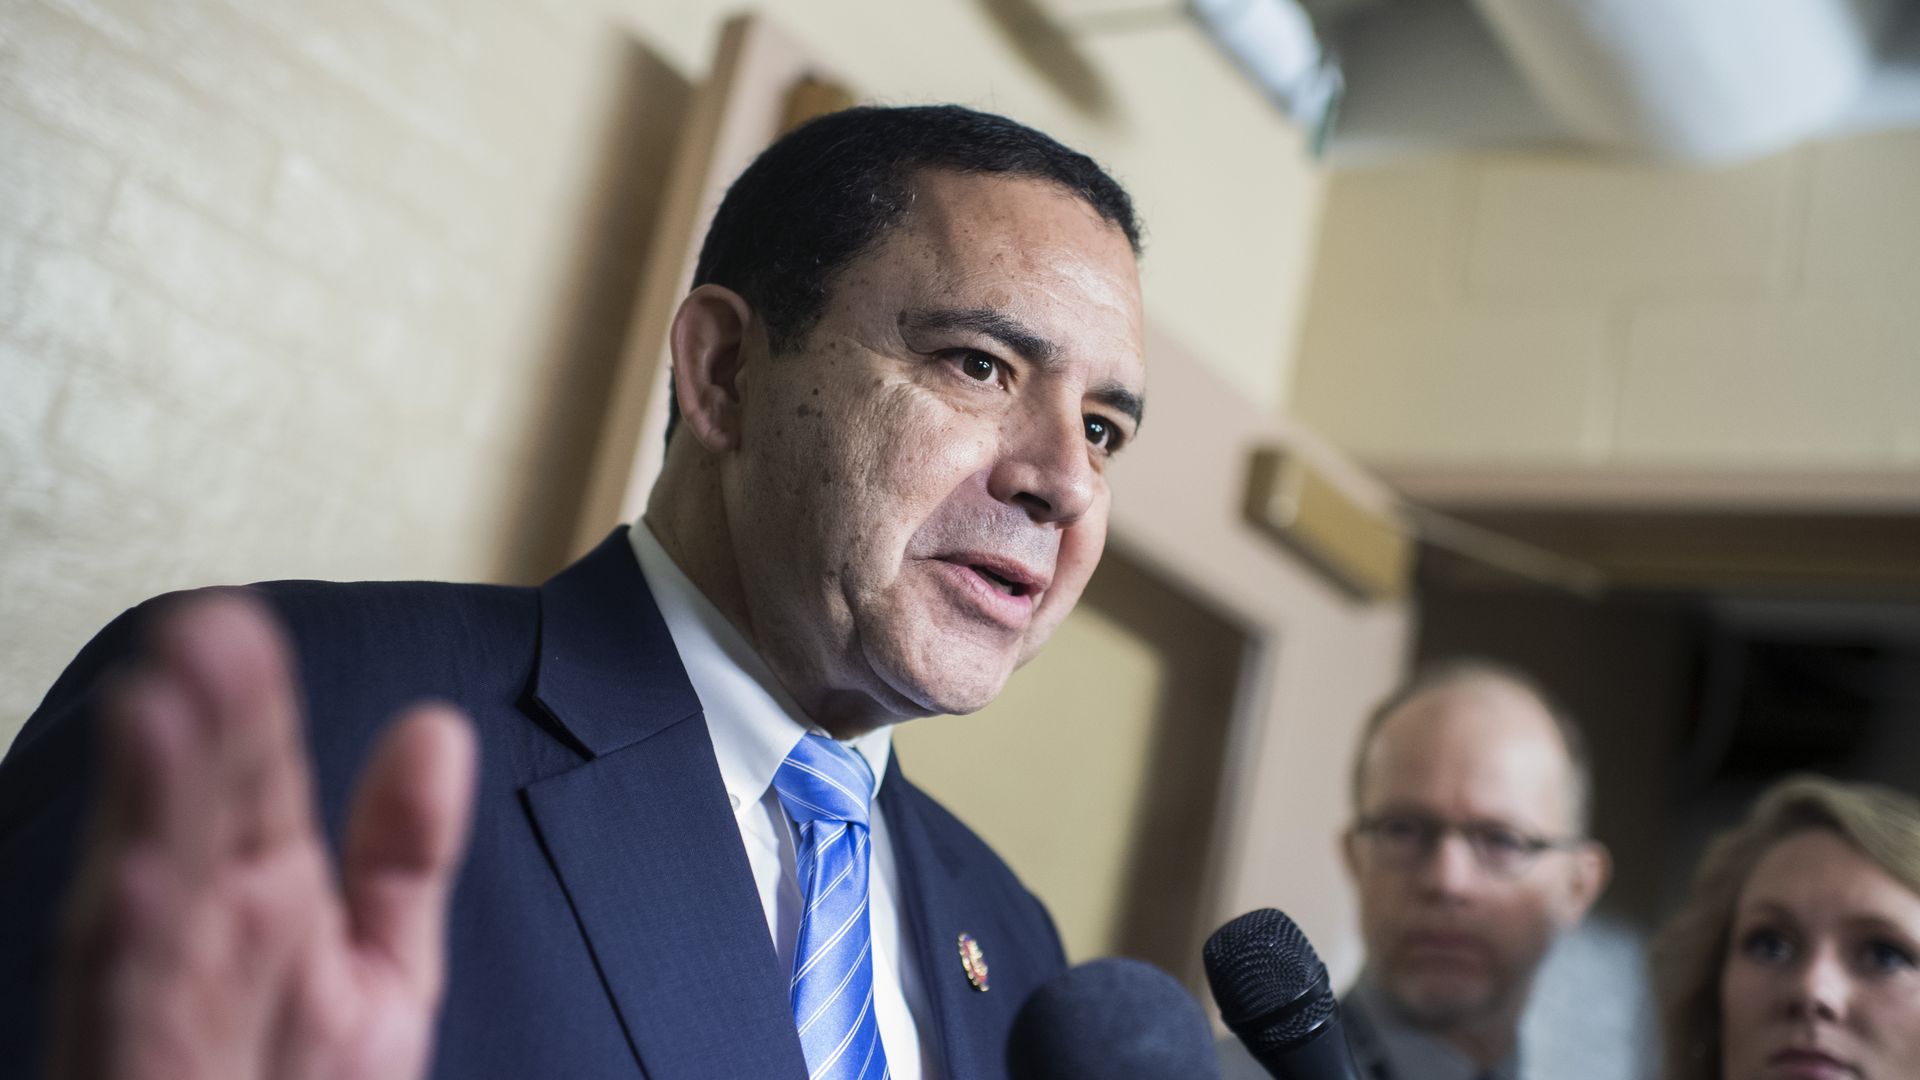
(952, 697)
(948, 689)
(935, 666)
(1442, 1000)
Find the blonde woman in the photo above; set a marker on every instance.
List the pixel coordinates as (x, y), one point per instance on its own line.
(1797, 954)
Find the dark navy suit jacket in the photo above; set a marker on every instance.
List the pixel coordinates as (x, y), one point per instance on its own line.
(606, 923)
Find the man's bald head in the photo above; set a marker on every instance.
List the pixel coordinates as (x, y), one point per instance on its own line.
(1468, 848)
(1504, 696)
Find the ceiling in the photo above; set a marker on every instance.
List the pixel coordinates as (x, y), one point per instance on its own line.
(1699, 81)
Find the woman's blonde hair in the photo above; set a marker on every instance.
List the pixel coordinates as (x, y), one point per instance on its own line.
(1690, 953)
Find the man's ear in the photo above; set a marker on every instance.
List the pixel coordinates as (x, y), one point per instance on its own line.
(1592, 869)
(708, 342)
(1350, 853)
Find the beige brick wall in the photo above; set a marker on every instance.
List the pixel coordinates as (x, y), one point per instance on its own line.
(331, 289)
(272, 279)
(1554, 310)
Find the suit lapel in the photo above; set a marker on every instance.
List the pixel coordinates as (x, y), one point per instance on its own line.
(644, 840)
(936, 908)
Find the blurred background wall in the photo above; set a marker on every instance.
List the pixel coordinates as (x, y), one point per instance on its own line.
(1546, 309)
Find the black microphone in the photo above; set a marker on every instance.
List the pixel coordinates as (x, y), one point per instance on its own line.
(1273, 993)
(1112, 1019)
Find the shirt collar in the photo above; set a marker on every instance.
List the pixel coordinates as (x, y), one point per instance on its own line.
(753, 721)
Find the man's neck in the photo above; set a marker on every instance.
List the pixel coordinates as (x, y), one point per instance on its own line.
(696, 537)
(1487, 1040)
(702, 547)
(1485, 1044)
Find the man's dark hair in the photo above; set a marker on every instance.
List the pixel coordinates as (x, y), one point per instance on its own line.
(824, 193)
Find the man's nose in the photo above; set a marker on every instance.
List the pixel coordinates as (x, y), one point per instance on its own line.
(1045, 466)
(1818, 989)
(1450, 868)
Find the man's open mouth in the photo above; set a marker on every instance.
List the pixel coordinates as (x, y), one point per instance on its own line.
(1005, 585)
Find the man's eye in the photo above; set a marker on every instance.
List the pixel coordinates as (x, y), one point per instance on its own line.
(1102, 434)
(1400, 829)
(1766, 945)
(979, 366)
(1505, 841)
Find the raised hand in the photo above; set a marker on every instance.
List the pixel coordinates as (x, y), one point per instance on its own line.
(208, 935)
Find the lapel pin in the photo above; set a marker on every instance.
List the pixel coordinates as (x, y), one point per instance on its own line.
(973, 962)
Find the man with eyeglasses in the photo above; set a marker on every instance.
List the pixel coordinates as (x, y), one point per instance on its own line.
(1469, 852)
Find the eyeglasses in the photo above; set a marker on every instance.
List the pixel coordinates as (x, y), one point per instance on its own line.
(1407, 840)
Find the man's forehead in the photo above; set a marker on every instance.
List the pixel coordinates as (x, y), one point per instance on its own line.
(1484, 750)
(1472, 710)
(947, 203)
(1026, 249)
(983, 227)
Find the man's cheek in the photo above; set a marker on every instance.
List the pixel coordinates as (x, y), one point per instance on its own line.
(1078, 558)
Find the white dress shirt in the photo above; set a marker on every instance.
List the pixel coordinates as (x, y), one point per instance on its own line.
(754, 724)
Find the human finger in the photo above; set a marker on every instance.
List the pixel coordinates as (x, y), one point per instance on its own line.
(153, 787)
(405, 836)
(228, 652)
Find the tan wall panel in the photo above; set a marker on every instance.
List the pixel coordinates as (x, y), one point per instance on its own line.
(1795, 382)
(1389, 236)
(1512, 311)
(1575, 228)
(1412, 381)
(1863, 224)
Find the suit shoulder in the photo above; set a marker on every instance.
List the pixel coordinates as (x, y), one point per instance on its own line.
(358, 625)
(398, 605)
(297, 602)
(376, 625)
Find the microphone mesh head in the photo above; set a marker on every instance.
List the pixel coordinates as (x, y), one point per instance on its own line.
(1269, 983)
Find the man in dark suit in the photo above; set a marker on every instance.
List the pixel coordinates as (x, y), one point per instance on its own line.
(683, 848)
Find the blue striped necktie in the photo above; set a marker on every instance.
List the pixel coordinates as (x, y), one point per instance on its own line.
(826, 789)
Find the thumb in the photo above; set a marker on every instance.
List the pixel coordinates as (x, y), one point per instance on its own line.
(405, 837)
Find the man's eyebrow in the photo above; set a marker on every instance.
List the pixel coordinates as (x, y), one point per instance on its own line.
(1121, 400)
(1015, 335)
(997, 325)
